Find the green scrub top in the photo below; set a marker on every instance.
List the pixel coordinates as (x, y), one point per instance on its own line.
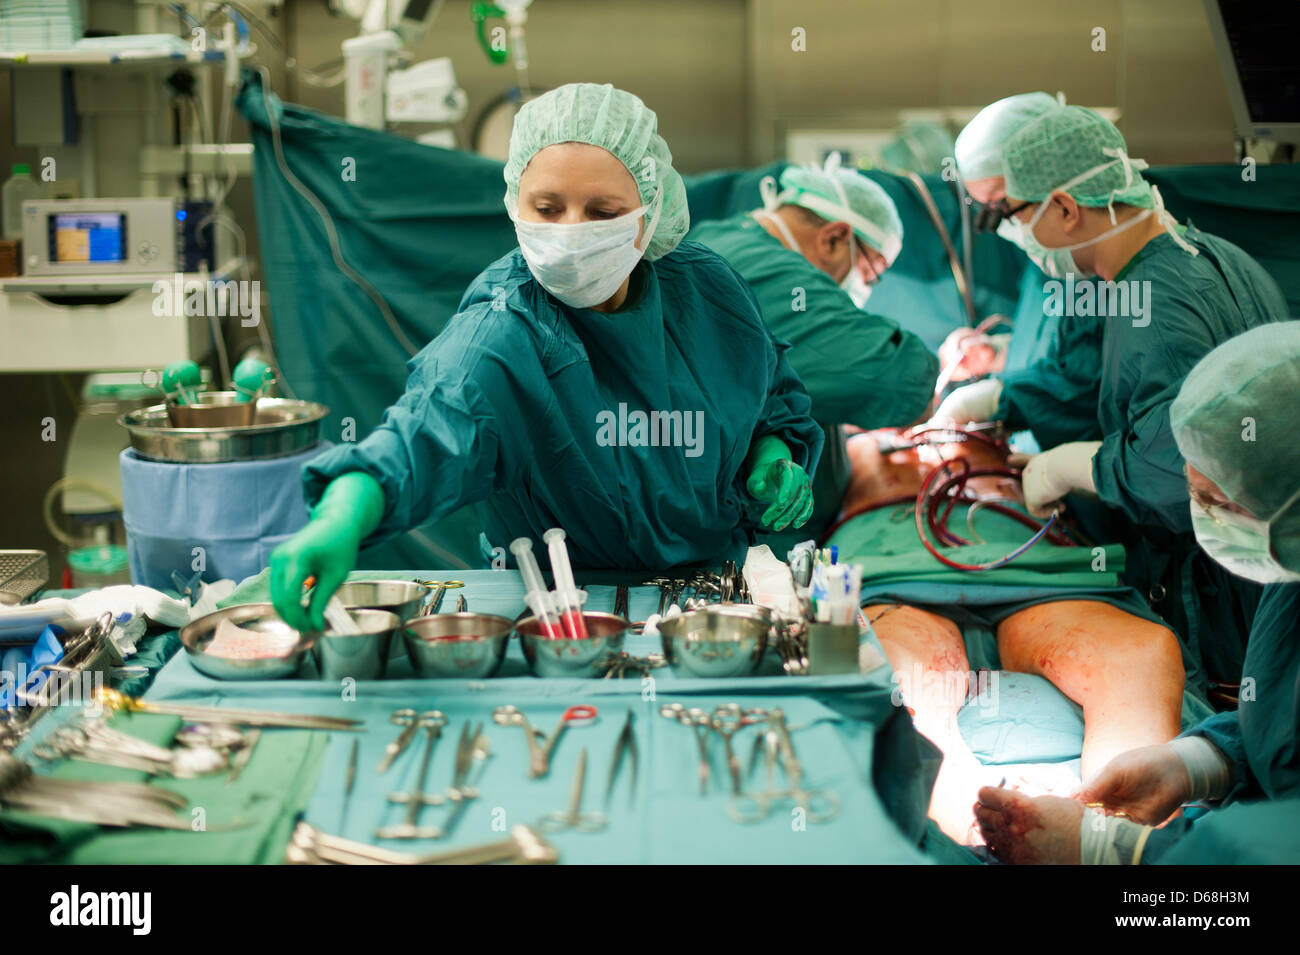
(1191, 304)
(1262, 739)
(859, 369)
(529, 407)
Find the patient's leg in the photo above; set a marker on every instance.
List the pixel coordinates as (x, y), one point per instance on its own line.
(1126, 672)
(931, 672)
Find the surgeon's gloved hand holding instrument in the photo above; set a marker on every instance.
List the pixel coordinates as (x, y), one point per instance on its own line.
(566, 591)
(325, 549)
(535, 593)
(775, 479)
(974, 402)
(1049, 476)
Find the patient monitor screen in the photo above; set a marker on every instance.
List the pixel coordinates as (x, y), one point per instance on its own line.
(88, 237)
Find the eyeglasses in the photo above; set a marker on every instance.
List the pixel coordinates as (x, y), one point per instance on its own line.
(871, 267)
(989, 215)
(1211, 506)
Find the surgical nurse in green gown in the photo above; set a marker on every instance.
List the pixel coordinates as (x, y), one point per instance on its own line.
(811, 256)
(1234, 422)
(602, 314)
(1078, 205)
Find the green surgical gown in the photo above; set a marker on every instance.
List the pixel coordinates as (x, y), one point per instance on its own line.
(1191, 305)
(538, 413)
(859, 369)
(1262, 739)
(1054, 396)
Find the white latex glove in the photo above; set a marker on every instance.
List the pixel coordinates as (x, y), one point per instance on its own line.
(1050, 476)
(977, 402)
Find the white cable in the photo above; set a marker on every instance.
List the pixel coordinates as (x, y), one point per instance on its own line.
(330, 231)
(61, 484)
(219, 339)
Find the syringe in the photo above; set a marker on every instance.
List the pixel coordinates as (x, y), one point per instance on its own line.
(535, 594)
(566, 591)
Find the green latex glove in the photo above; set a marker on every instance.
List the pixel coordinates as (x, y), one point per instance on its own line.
(326, 548)
(775, 478)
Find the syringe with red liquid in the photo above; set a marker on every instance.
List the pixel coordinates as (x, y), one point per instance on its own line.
(566, 591)
(535, 594)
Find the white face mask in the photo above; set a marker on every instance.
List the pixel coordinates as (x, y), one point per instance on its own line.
(584, 263)
(1057, 261)
(1239, 543)
(853, 283)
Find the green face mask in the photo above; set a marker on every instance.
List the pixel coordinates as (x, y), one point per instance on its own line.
(1239, 543)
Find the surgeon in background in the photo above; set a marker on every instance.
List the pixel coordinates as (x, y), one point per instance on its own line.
(1244, 486)
(918, 147)
(1055, 397)
(602, 310)
(1079, 206)
(811, 256)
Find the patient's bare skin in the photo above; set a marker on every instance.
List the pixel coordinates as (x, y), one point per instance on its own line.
(1126, 672)
(1024, 831)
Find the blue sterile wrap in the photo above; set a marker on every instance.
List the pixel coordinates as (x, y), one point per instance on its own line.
(238, 512)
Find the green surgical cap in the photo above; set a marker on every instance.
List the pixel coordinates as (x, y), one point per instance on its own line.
(616, 121)
(1064, 144)
(979, 146)
(870, 212)
(1235, 421)
(918, 147)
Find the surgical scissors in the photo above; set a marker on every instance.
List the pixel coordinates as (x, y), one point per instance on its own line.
(432, 722)
(817, 805)
(439, 589)
(727, 720)
(699, 722)
(580, 714)
(574, 818)
(405, 718)
(93, 742)
(511, 715)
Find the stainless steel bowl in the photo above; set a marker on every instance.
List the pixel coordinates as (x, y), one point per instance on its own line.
(196, 635)
(362, 656)
(213, 409)
(283, 426)
(469, 646)
(723, 640)
(402, 597)
(563, 657)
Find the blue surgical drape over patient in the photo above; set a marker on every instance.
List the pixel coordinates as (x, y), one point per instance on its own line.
(506, 406)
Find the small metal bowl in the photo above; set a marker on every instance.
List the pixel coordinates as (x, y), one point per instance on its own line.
(362, 656)
(468, 646)
(213, 409)
(723, 640)
(563, 657)
(402, 597)
(197, 634)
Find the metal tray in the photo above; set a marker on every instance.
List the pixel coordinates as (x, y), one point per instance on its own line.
(284, 426)
(22, 573)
